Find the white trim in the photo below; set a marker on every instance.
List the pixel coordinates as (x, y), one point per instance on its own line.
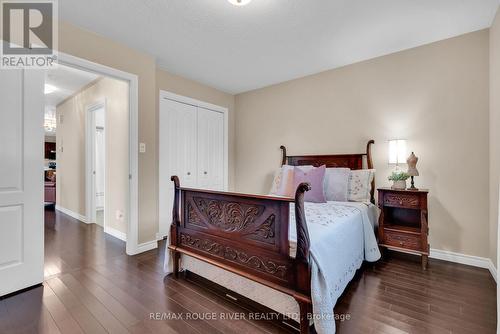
(147, 246)
(72, 214)
(187, 100)
(115, 233)
(493, 270)
(470, 260)
(133, 80)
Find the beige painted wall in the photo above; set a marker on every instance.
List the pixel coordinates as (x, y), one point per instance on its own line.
(185, 87)
(436, 96)
(494, 133)
(88, 45)
(71, 161)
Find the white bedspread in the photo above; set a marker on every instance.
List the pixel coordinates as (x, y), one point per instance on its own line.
(342, 236)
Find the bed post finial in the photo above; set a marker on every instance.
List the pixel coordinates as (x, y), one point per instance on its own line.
(303, 242)
(369, 153)
(302, 258)
(369, 162)
(175, 223)
(175, 178)
(175, 209)
(283, 152)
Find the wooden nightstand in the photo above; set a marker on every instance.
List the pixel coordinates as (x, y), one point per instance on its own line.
(403, 221)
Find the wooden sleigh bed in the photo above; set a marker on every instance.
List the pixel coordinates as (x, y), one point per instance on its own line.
(248, 234)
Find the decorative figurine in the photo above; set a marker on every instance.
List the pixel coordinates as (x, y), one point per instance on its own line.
(412, 169)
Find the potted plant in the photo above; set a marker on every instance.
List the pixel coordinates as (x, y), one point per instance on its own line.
(398, 179)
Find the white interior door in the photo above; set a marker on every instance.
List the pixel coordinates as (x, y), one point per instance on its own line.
(99, 164)
(21, 179)
(210, 149)
(177, 154)
(95, 157)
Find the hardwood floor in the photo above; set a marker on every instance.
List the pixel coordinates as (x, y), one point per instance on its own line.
(91, 286)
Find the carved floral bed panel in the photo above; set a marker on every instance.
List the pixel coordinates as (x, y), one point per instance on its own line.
(214, 222)
(341, 222)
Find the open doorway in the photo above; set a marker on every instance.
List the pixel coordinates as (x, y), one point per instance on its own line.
(23, 175)
(87, 165)
(96, 161)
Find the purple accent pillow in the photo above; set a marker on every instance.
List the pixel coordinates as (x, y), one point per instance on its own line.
(315, 177)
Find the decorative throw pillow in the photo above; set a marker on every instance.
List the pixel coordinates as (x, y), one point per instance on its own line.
(315, 177)
(283, 181)
(360, 183)
(336, 184)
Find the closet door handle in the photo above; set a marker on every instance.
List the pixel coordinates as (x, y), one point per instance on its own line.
(189, 173)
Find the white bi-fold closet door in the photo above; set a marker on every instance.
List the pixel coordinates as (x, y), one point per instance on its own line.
(192, 145)
(210, 149)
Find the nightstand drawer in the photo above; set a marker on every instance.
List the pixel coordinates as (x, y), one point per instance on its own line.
(402, 240)
(411, 201)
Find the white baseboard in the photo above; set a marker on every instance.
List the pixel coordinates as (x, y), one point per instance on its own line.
(72, 214)
(493, 270)
(146, 246)
(470, 260)
(115, 233)
(159, 236)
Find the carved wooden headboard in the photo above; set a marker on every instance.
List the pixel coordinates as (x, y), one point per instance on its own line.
(352, 161)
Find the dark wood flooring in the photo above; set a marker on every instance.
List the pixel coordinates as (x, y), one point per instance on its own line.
(91, 286)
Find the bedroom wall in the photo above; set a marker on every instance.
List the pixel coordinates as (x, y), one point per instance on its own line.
(71, 161)
(435, 96)
(494, 133)
(88, 45)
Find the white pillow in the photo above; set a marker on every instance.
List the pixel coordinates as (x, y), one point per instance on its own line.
(283, 181)
(337, 184)
(360, 185)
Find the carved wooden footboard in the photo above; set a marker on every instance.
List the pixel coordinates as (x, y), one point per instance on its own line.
(247, 235)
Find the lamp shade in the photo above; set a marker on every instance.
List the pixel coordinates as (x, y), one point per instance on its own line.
(397, 151)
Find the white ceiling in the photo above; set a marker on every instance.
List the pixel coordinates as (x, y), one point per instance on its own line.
(237, 49)
(68, 81)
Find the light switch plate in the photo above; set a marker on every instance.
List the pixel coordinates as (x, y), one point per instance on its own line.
(142, 147)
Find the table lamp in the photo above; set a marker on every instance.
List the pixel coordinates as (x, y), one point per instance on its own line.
(397, 152)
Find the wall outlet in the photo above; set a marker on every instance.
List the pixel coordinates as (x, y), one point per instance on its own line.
(142, 147)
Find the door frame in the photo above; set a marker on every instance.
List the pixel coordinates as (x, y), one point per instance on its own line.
(132, 243)
(90, 200)
(197, 103)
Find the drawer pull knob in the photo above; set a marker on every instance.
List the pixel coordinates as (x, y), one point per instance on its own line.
(401, 202)
(401, 243)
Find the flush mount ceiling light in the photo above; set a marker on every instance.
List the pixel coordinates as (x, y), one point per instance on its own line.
(49, 89)
(239, 2)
